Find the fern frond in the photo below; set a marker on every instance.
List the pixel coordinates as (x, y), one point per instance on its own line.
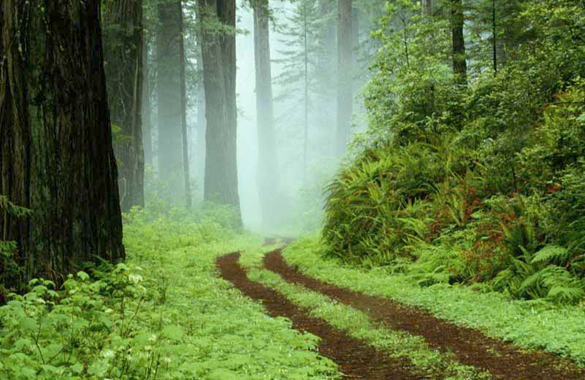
(551, 253)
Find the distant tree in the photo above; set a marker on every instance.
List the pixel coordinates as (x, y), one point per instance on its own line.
(345, 39)
(218, 44)
(169, 99)
(459, 56)
(123, 42)
(56, 154)
(300, 59)
(268, 178)
(184, 135)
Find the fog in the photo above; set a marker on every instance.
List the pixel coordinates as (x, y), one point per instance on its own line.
(299, 198)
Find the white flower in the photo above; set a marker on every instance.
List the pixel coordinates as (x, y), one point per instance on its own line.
(135, 278)
(108, 354)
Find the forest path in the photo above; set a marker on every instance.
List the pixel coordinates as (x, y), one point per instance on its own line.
(471, 347)
(356, 359)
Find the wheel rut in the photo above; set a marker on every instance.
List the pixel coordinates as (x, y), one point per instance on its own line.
(471, 347)
(355, 358)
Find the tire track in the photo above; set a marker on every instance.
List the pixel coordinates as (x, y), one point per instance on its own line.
(471, 347)
(357, 360)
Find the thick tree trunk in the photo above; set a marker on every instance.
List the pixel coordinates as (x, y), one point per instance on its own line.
(123, 41)
(459, 56)
(268, 180)
(344, 89)
(170, 156)
(56, 154)
(219, 62)
(185, 146)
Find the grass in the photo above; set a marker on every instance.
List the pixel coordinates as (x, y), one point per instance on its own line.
(164, 314)
(532, 325)
(427, 361)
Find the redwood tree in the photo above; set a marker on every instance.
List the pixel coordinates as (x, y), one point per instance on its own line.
(268, 181)
(124, 63)
(344, 92)
(169, 90)
(219, 75)
(56, 154)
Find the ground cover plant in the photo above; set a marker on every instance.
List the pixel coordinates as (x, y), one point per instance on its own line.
(533, 325)
(163, 314)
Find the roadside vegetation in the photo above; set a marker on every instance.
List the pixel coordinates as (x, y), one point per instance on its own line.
(163, 314)
(533, 325)
(478, 183)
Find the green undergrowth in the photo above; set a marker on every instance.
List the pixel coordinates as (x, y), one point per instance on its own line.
(428, 362)
(530, 324)
(479, 179)
(164, 314)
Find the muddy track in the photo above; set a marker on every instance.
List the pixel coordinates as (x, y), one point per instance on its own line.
(471, 347)
(355, 359)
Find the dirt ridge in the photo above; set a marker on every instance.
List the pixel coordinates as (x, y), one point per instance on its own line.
(471, 347)
(356, 359)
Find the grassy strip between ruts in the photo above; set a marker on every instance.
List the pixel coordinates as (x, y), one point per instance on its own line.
(164, 314)
(397, 344)
(531, 325)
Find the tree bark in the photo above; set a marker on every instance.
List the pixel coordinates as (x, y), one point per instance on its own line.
(459, 56)
(123, 55)
(56, 154)
(344, 89)
(268, 179)
(219, 63)
(170, 156)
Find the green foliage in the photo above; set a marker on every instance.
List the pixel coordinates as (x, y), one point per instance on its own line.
(529, 324)
(476, 184)
(8, 267)
(164, 314)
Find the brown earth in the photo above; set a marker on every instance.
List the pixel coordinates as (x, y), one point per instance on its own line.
(471, 347)
(356, 359)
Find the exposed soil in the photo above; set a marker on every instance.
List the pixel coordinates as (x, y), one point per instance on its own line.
(502, 360)
(356, 359)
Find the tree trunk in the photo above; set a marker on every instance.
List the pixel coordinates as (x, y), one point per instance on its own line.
(428, 7)
(344, 89)
(170, 156)
(147, 107)
(186, 174)
(219, 63)
(268, 180)
(459, 56)
(56, 154)
(123, 55)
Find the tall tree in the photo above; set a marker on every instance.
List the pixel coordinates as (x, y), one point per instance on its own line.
(56, 154)
(147, 88)
(185, 146)
(300, 67)
(459, 56)
(123, 55)
(268, 180)
(344, 81)
(218, 18)
(169, 90)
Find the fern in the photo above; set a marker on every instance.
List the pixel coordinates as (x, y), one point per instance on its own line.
(550, 254)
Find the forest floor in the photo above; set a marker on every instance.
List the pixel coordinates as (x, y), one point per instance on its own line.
(373, 337)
